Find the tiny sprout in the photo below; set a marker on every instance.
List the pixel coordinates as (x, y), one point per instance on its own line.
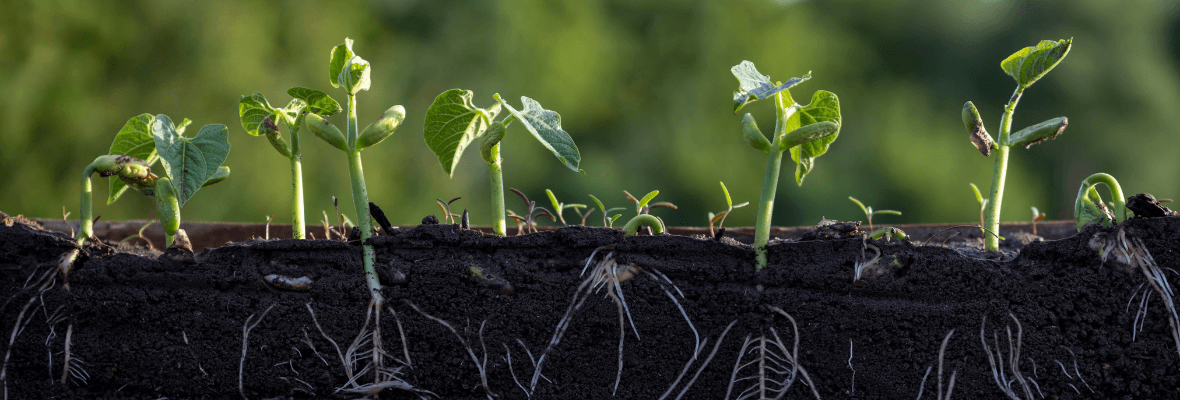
(644, 205)
(719, 218)
(445, 206)
(608, 220)
(890, 232)
(1037, 215)
(644, 220)
(528, 219)
(1089, 206)
(476, 272)
(869, 213)
(560, 207)
(267, 231)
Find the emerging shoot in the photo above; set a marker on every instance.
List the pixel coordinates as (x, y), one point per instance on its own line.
(608, 220)
(719, 218)
(869, 212)
(804, 130)
(1037, 215)
(1089, 206)
(453, 122)
(559, 207)
(1025, 66)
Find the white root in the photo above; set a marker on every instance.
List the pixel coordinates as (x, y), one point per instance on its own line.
(480, 365)
(384, 378)
(246, 328)
(777, 367)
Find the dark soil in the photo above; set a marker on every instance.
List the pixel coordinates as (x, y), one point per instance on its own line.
(145, 327)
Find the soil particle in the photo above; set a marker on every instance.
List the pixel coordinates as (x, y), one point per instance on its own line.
(149, 328)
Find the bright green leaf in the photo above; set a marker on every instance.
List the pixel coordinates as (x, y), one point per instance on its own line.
(859, 204)
(221, 174)
(646, 198)
(317, 102)
(291, 112)
(190, 162)
(824, 107)
(134, 140)
(339, 56)
(728, 200)
(252, 109)
(599, 203)
(355, 75)
(753, 86)
(452, 123)
(1033, 62)
(545, 125)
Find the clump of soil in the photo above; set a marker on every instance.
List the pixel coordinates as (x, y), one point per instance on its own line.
(150, 327)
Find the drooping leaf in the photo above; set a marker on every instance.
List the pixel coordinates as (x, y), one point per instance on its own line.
(1033, 62)
(133, 140)
(190, 162)
(355, 75)
(252, 110)
(824, 107)
(317, 102)
(545, 125)
(338, 57)
(452, 123)
(1038, 133)
(753, 86)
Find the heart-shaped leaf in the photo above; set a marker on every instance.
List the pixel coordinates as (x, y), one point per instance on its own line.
(545, 125)
(134, 140)
(753, 86)
(252, 110)
(1033, 62)
(354, 77)
(452, 123)
(824, 107)
(190, 162)
(339, 56)
(317, 102)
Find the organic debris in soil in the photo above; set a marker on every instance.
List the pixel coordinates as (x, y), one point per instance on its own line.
(691, 316)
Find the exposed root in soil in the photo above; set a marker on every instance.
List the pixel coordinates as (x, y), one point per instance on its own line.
(246, 328)
(777, 368)
(43, 283)
(1134, 254)
(700, 346)
(383, 377)
(480, 365)
(950, 386)
(1003, 381)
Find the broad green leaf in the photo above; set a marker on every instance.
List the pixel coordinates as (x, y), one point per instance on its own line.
(1033, 62)
(190, 162)
(824, 107)
(252, 110)
(753, 86)
(338, 57)
(317, 102)
(291, 112)
(1038, 133)
(134, 140)
(355, 75)
(545, 125)
(452, 123)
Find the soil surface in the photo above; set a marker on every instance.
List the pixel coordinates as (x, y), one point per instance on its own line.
(150, 326)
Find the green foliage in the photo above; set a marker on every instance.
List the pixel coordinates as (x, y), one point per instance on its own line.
(1089, 206)
(869, 212)
(719, 218)
(545, 125)
(190, 162)
(134, 140)
(317, 102)
(1031, 63)
(453, 122)
(807, 142)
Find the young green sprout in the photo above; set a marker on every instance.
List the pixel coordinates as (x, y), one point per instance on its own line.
(189, 164)
(804, 130)
(608, 220)
(445, 206)
(260, 118)
(644, 205)
(559, 207)
(869, 212)
(350, 72)
(453, 122)
(982, 207)
(1089, 206)
(719, 218)
(1037, 215)
(528, 219)
(1026, 66)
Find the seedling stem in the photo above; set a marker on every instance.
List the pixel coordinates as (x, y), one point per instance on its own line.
(999, 173)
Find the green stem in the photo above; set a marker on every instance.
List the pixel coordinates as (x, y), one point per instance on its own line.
(1116, 192)
(774, 162)
(632, 227)
(297, 224)
(497, 174)
(999, 173)
(360, 200)
(86, 224)
(169, 208)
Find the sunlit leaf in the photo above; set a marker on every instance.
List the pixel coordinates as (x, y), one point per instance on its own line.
(355, 75)
(252, 110)
(338, 57)
(452, 123)
(753, 86)
(317, 102)
(1038, 133)
(824, 107)
(1033, 62)
(545, 125)
(190, 162)
(133, 140)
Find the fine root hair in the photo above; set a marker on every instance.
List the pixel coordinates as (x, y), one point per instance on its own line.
(246, 328)
(995, 357)
(480, 365)
(775, 367)
(941, 356)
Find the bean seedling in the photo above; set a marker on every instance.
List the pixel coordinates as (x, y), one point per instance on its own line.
(1037, 215)
(1026, 66)
(560, 207)
(445, 206)
(528, 219)
(260, 118)
(643, 206)
(804, 130)
(350, 72)
(453, 122)
(869, 212)
(719, 218)
(1089, 206)
(608, 220)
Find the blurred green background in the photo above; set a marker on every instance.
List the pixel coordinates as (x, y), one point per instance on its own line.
(643, 87)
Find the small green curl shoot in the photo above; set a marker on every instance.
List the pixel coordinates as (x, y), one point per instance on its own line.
(655, 223)
(719, 218)
(1089, 206)
(869, 212)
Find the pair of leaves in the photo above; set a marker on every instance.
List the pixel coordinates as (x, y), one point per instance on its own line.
(824, 107)
(453, 122)
(253, 109)
(1031, 63)
(348, 70)
(191, 162)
